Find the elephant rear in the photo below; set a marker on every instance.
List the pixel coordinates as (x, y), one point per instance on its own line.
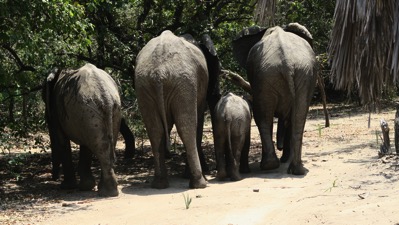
(171, 81)
(84, 106)
(282, 72)
(231, 134)
(91, 112)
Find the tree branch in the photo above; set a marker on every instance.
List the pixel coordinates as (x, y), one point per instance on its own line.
(21, 65)
(237, 80)
(141, 18)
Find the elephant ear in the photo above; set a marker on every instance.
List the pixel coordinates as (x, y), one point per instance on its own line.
(189, 38)
(244, 41)
(301, 31)
(48, 88)
(214, 70)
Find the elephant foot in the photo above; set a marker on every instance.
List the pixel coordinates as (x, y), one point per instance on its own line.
(108, 189)
(297, 169)
(129, 153)
(55, 173)
(221, 175)
(270, 164)
(87, 184)
(187, 173)
(245, 169)
(108, 192)
(284, 158)
(235, 176)
(198, 183)
(160, 183)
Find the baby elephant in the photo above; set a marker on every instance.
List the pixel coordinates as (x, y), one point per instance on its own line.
(231, 133)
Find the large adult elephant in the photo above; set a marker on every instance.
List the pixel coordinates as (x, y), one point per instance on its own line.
(83, 106)
(281, 67)
(172, 77)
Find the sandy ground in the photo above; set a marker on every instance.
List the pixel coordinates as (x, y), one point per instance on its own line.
(347, 183)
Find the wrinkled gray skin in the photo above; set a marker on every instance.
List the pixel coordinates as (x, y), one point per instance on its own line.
(171, 83)
(231, 131)
(83, 106)
(281, 68)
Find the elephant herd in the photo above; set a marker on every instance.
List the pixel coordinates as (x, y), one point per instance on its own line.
(176, 80)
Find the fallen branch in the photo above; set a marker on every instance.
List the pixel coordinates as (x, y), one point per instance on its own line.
(237, 80)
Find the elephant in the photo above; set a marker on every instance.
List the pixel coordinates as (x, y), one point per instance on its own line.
(175, 78)
(83, 106)
(129, 138)
(282, 69)
(232, 135)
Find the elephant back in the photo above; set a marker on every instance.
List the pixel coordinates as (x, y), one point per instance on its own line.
(166, 58)
(87, 98)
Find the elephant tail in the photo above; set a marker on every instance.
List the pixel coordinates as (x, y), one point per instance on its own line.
(162, 113)
(113, 128)
(229, 145)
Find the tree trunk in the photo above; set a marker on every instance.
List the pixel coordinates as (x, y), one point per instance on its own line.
(25, 111)
(385, 146)
(323, 97)
(397, 130)
(11, 110)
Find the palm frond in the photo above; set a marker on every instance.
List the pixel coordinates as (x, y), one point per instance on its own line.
(395, 55)
(361, 47)
(264, 12)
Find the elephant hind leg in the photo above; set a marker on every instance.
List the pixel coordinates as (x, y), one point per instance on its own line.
(263, 114)
(87, 181)
(237, 143)
(269, 157)
(244, 164)
(287, 145)
(187, 132)
(108, 186)
(127, 134)
(158, 144)
(69, 181)
(220, 149)
(158, 137)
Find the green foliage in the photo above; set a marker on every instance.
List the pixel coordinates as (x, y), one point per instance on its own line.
(15, 164)
(37, 35)
(315, 15)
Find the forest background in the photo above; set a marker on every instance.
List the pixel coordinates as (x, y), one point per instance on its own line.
(38, 35)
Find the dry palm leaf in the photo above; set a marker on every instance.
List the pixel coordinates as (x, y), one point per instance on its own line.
(361, 47)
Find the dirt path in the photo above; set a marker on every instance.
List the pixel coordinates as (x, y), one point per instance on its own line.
(346, 184)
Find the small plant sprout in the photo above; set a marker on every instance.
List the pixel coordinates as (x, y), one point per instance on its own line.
(376, 136)
(334, 184)
(319, 129)
(187, 200)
